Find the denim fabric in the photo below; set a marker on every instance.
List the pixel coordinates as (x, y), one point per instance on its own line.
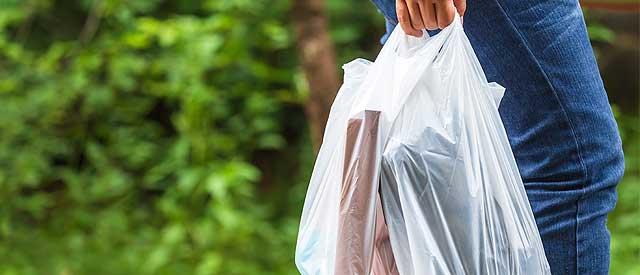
(557, 117)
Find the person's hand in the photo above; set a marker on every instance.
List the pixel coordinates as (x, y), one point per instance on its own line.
(415, 15)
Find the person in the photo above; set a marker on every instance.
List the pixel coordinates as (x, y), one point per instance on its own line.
(555, 111)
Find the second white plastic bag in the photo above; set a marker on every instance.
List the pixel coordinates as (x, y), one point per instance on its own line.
(415, 174)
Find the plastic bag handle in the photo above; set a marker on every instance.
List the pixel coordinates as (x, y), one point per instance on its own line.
(398, 36)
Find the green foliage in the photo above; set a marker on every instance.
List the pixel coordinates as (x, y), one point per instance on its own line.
(624, 222)
(600, 33)
(127, 131)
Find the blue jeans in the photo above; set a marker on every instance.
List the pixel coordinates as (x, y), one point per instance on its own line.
(557, 117)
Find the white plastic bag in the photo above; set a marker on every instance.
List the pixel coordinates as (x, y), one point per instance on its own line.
(418, 128)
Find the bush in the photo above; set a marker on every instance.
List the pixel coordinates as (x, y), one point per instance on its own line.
(127, 131)
(624, 222)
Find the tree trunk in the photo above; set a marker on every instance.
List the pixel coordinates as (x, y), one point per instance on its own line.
(317, 57)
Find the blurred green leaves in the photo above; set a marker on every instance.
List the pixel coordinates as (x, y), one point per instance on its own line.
(624, 222)
(600, 33)
(127, 132)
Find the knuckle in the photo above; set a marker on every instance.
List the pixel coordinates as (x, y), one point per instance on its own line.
(443, 23)
(431, 23)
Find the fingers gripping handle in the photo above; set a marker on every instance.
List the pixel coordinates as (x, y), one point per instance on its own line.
(407, 46)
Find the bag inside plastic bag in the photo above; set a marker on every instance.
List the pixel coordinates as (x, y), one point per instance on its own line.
(415, 174)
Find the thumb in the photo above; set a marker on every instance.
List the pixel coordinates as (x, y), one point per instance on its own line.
(461, 6)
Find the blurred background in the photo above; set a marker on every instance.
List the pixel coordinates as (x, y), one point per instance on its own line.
(177, 137)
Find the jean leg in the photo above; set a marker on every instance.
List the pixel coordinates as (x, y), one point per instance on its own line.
(558, 120)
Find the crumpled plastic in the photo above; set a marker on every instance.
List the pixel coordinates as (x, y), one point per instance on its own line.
(415, 174)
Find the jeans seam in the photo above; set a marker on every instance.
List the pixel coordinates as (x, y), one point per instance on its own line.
(569, 122)
(577, 219)
(391, 20)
